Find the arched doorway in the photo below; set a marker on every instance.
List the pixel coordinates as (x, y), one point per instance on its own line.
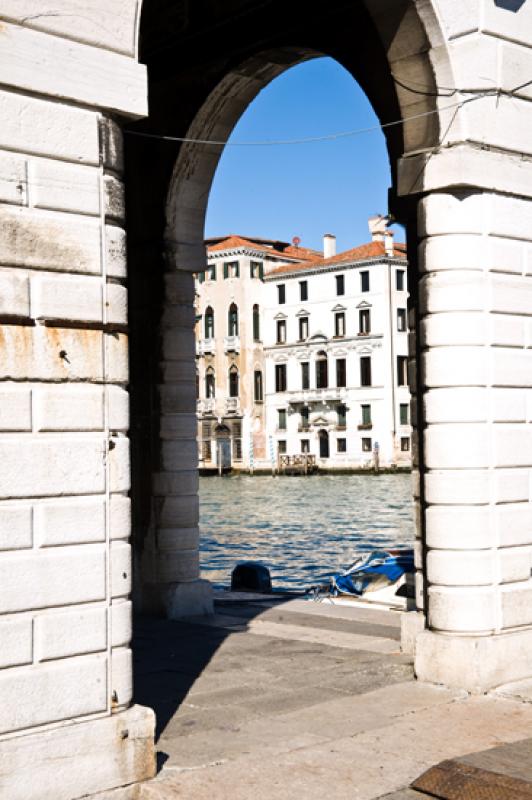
(324, 443)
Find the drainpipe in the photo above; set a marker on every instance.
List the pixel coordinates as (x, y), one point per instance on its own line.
(392, 351)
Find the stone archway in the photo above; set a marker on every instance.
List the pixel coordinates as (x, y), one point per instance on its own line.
(462, 180)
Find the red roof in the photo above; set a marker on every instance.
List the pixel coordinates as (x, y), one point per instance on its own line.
(360, 253)
(296, 253)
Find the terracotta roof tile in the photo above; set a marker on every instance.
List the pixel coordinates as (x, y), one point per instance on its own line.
(360, 253)
(291, 252)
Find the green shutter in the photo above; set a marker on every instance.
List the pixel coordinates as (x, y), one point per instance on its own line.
(226, 270)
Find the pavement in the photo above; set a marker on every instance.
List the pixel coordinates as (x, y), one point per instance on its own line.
(266, 700)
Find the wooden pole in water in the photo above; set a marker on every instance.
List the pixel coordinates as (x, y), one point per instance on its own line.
(219, 459)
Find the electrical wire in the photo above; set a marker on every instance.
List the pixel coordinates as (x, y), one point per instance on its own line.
(313, 139)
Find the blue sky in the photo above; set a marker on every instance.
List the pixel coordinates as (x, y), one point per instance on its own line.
(303, 190)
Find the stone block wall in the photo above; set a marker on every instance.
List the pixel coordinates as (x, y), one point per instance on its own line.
(65, 561)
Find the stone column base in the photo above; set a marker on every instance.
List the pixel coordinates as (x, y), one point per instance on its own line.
(177, 600)
(473, 663)
(79, 758)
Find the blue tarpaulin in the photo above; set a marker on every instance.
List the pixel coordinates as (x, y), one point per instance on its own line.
(376, 570)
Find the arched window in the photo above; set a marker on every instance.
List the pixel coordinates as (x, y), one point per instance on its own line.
(233, 320)
(324, 444)
(257, 386)
(210, 383)
(256, 323)
(233, 381)
(209, 323)
(322, 376)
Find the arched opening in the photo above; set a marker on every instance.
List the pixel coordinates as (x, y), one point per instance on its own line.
(256, 323)
(232, 320)
(210, 384)
(233, 382)
(209, 323)
(324, 443)
(199, 94)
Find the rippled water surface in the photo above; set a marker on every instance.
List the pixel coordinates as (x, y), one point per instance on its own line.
(303, 529)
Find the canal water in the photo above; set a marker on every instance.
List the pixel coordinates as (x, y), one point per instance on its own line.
(305, 528)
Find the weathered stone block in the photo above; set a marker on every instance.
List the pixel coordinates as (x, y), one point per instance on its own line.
(69, 408)
(456, 366)
(15, 408)
(50, 354)
(456, 405)
(13, 185)
(86, 74)
(114, 200)
(48, 128)
(16, 636)
(40, 579)
(467, 329)
(463, 290)
(64, 187)
(462, 567)
(462, 610)
(513, 524)
(121, 576)
(116, 304)
(47, 240)
(512, 367)
(115, 250)
(51, 692)
(118, 408)
(458, 487)
(120, 745)
(513, 446)
(70, 521)
(119, 469)
(516, 604)
(457, 446)
(120, 516)
(111, 145)
(121, 622)
(506, 330)
(46, 467)
(511, 485)
(16, 525)
(14, 294)
(77, 632)
(459, 528)
(122, 676)
(116, 358)
(68, 298)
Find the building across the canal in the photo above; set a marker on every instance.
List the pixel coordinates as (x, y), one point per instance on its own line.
(303, 352)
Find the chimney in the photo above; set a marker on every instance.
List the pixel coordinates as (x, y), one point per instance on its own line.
(329, 245)
(388, 243)
(377, 227)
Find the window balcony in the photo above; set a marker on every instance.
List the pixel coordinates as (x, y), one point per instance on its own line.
(205, 347)
(206, 406)
(232, 405)
(305, 396)
(365, 426)
(232, 344)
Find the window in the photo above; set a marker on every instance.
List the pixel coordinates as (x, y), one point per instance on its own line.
(366, 414)
(210, 272)
(257, 386)
(405, 444)
(256, 269)
(365, 371)
(281, 331)
(322, 377)
(281, 419)
(231, 269)
(281, 447)
(341, 376)
(303, 290)
(339, 324)
(305, 375)
(401, 319)
(209, 323)
(304, 418)
(366, 445)
(256, 323)
(303, 328)
(403, 413)
(233, 381)
(305, 445)
(210, 384)
(201, 277)
(281, 293)
(341, 416)
(280, 377)
(340, 284)
(364, 321)
(400, 280)
(232, 320)
(364, 281)
(402, 371)
(341, 445)
(237, 449)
